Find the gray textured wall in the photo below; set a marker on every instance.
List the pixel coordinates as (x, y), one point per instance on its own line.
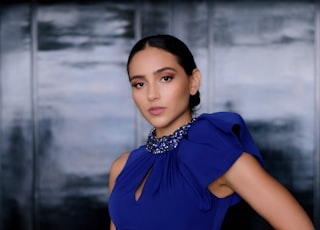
(66, 111)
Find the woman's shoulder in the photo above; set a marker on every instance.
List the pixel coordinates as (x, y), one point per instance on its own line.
(116, 169)
(119, 163)
(221, 116)
(121, 160)
(218, 121)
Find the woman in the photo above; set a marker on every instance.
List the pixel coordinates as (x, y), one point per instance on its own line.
(192, 169)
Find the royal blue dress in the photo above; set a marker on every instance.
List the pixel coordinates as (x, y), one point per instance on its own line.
(175, 195)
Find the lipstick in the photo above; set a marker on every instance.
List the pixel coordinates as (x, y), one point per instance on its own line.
(155, 111)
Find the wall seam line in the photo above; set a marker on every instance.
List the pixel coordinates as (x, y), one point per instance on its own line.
(34, 113)
(317, 118)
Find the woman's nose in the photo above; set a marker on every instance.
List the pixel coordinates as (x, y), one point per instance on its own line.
(153, 92)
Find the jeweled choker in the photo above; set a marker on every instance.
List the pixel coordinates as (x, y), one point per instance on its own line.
(159, 145)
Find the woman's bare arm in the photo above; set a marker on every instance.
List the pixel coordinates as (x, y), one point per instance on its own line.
(266, 195)
(115, 170)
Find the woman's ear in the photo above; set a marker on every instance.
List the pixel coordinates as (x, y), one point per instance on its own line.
(195, 80)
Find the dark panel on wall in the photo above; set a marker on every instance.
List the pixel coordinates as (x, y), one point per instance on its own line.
(264, 69)
(84, 109)
(16, 139)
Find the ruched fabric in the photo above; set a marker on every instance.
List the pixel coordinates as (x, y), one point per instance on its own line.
(175, 195)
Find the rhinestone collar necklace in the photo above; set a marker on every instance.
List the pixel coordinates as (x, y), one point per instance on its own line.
(159, 145)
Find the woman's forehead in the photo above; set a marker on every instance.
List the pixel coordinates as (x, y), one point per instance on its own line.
(151, 59)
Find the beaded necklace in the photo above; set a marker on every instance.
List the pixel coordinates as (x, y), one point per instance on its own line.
(163, 144)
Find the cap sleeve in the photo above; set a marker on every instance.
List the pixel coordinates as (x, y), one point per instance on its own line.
(215, 141)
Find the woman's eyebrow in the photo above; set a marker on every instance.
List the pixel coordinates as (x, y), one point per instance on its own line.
(154, 72)
(135, 77)
(164, 69)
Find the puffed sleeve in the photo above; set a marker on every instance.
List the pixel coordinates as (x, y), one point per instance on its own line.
(215, 141)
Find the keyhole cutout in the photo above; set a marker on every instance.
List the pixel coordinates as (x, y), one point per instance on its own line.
(141, 186)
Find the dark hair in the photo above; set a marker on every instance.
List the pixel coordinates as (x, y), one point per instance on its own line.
(174, 46)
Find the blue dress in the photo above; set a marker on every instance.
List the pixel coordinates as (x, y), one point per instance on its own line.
(175, 195)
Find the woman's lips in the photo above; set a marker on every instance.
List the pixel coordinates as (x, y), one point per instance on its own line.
(156, 110)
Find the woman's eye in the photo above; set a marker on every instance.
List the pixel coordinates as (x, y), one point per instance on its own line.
(138, 85)
(166, 78)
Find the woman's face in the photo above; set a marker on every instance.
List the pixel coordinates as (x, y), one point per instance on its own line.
(161, 89)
